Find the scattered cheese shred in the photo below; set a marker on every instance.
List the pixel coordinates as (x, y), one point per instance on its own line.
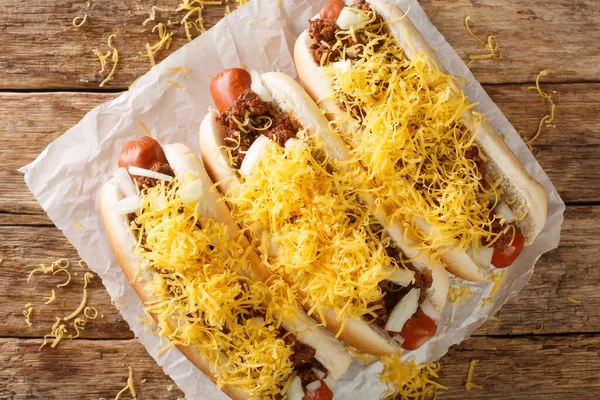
(548, 119)
(327, 239)
(459, 293)
(152, 15)
(175, 84)
(540, 327)
(92, 310)
(81, 306)
(51, 298)
(27, 313)
(412, 139)
(495, 318)
(143, 126)
(65, 283)
(201, 295)
(58, 332)
(79, 21)
(104, 57)
(182, 72)
(409, 381)
(128, 387)
(78, 324)
(492, 46)
(573, 300)
(165, 38)
(87, 278)
(193, 15)
(365, 358)
(469, 384)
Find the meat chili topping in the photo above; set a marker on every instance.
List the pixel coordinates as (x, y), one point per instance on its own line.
(248, 118)
(326, 33)
(304, 360)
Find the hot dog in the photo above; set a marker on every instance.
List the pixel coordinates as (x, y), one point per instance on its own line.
(285, 176)
(184, 256)
(438, 165)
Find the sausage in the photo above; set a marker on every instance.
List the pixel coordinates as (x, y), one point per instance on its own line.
(331, 9)
(143, 153)
(226, 87)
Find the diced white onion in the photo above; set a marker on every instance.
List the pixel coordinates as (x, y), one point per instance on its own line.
(403, 311)
(429, 310)
(311, 387)
(295, 391)
(149, 174)
(192, 191)
(253, 155)
(349, 18)
(482, 256)
(503, 209)
(258, 87)
(294, 142)
(125, 182)
(402, 276)
(341, 66)
(320, 374)
(128, 205)
(330, 382)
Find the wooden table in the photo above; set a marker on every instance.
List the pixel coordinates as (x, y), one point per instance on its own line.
(543, 347)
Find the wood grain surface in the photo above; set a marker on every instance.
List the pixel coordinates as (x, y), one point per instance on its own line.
(542, 347)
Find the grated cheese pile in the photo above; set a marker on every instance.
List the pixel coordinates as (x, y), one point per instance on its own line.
(408, 380)
(412, 139)
(327, 241)
(203, 301)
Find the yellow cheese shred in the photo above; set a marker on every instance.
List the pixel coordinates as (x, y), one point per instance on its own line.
(129, 386)
(492, 46)
(548, 119)
(408, 381)
(459, 293)
(327, 239)
(469, 384)
(193, 15)
(79, 21)
(50, 298)
(201, 299)
(104, 57)
(165, 38)
(573, 300)
(412, 139)
(27, 313)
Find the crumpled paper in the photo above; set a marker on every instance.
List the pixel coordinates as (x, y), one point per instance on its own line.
(67, 176)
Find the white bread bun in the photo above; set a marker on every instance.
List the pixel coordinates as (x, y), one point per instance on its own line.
(188, 167)
(291, 98)
(519, 188)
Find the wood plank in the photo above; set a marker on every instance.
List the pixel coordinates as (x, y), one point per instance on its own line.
(515, 368)
(567, 152)
(533, 36)
(82, 369)
(541, 308)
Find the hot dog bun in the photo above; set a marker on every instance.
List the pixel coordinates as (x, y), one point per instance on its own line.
(517, 185)
(188, 167)
(290, 97)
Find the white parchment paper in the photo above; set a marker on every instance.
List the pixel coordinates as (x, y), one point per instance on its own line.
(67, 176)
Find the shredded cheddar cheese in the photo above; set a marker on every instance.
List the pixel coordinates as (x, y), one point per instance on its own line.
(165, 38)
(326, 238)
(469, 384)
(50, 298)
(182, 72)
(495, 318)
(573, 300)
(548, 119)
(409, 134)
(27, 313)
(193, 15)
(103, 58)
(129, 386)
(201, 299)
(492, 46)
(365, 358)
(65, 283)
(79, 21)
(409, 381)
(457, 292)
(540, 327)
